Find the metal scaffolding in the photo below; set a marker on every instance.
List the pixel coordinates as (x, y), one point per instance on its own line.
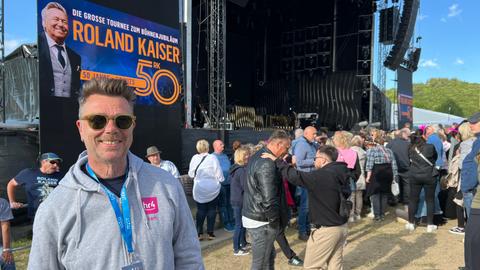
(2, 64)
(213, 20)
(216, 35)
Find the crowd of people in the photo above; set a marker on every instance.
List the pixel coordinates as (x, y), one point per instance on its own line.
(429, 174)
(326, 179)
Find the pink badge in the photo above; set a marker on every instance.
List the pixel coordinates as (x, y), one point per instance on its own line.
(150, 205)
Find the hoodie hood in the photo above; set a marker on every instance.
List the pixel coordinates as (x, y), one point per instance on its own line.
(76, 179)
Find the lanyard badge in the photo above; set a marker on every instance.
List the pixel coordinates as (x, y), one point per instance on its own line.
(123, 218)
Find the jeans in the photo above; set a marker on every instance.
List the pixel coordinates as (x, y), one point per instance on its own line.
(263, 251)
(303, 224)
(422, 207)
(472, 241)
(379, 204)
(404, 185)
(206, 210)
(225, 207)
(467, 202)
(239, 233)
(6, 266)
(284, 245)
(415, 188)
(357, 200)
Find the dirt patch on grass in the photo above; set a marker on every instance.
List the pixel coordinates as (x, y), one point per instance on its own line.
(377, 246)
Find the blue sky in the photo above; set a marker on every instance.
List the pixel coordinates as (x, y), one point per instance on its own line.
(450, 39)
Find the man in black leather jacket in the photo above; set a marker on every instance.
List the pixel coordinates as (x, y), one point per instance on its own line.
(264, 203)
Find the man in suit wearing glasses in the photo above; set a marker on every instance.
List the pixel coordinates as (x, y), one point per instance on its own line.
(135, 215)
(38, 183)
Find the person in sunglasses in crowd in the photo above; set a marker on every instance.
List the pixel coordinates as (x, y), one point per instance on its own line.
(37, 182)
(112, 210)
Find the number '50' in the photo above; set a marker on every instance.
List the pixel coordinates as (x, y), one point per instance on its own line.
(151, 83)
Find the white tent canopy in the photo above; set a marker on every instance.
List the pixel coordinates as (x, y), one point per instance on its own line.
(426, 117)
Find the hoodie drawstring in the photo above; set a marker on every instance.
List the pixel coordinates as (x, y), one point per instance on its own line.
(78, 218)
(139, 200)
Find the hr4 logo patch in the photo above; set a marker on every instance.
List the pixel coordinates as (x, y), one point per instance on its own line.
(150, 205)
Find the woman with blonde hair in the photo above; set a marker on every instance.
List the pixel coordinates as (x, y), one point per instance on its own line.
(207, 174)
(357, 195)
(341, 140)
(467, 138)
(238, 177)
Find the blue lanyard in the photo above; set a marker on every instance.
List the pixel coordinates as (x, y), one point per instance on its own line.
(123, 217)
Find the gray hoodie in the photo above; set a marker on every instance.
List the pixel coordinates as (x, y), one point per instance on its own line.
(76, 228)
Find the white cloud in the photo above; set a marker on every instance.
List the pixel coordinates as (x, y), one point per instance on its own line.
(12, 44)
(454, 11)
(428, 63)
(443, 20)
(459, 61)
(422, 17)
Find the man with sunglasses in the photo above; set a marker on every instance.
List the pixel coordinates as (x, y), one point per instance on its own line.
(38, 183)
(112, 210)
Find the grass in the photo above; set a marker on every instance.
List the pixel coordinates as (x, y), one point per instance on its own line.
(21, 256)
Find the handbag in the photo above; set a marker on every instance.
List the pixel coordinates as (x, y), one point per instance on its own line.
(434, 169)
(196, 169)
(395, 188)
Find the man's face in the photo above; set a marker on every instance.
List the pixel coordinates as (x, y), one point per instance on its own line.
(310, 133)
(218, 146)
(110, 144)
(56, 24)
(154, 159)
(475, 128)
(50, 166)
(280, 147)
(320, 160)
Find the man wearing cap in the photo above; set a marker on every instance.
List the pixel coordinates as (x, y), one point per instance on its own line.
(471, 198)
(38, 183)
(469, 177)
(153, 156)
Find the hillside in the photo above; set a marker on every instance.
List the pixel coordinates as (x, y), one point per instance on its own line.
(439, 94)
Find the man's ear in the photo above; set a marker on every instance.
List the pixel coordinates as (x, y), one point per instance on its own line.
(78, 123)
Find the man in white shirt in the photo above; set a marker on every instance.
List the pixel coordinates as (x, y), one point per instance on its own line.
(153, 156)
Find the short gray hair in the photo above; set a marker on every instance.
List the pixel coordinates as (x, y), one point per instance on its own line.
(279, 134)
(50, 6)
(435, 128)
(106, 87)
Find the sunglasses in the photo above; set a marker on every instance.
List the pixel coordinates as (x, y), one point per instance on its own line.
(54, 162)
(99, 121)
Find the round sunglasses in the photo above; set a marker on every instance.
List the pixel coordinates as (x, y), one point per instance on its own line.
(99, 121)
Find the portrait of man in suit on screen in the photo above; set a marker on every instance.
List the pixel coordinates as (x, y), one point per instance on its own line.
(59, 66)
